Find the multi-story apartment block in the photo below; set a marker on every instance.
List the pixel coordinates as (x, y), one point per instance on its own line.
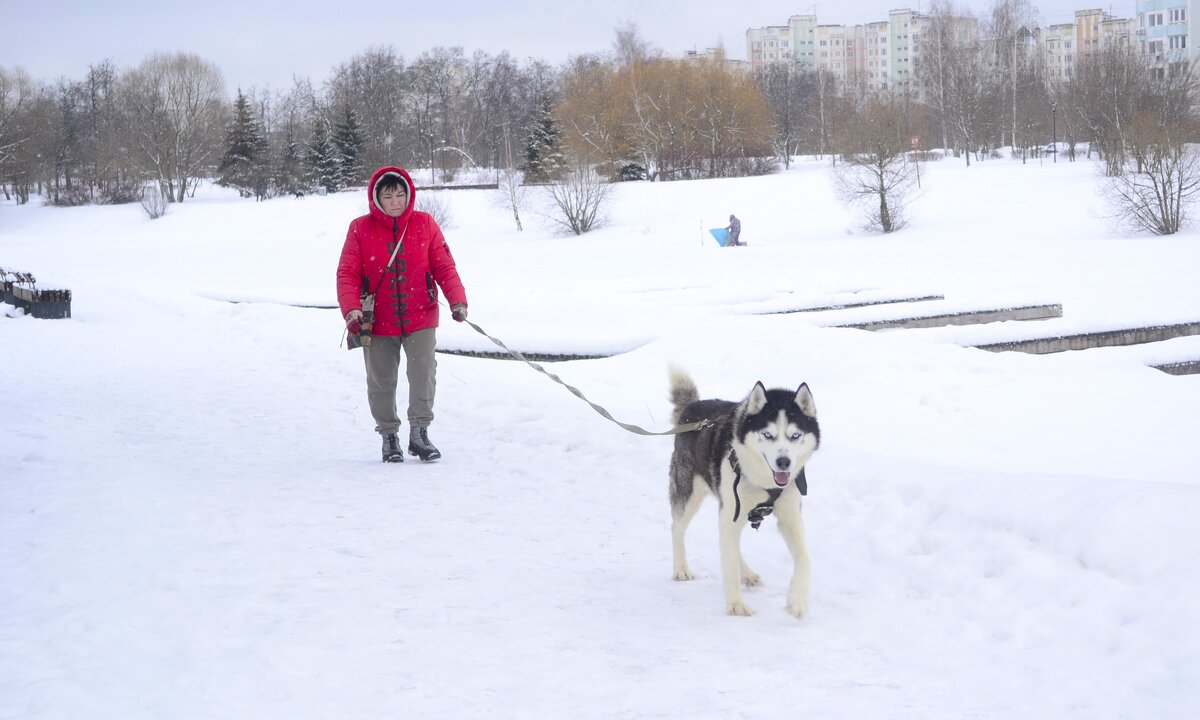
(1057, 51)
(1060, 47)
(1164, 31)
(804, 40)
(877, 56)
(904, 34)
(831, 48)
(769, 45)
(715, 55)
(792, 43)
(886, 55)
(872, 59)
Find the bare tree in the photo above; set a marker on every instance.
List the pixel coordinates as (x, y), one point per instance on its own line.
(1159, 179)
(374, 84)
(17, 94)
(876, 176)
(788, 92)
(510, 182)
(435, 100)
(1106, 92)
(177, 109)
(578, 197)
(1011, 28)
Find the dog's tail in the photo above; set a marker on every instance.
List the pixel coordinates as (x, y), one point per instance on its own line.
(683, 391)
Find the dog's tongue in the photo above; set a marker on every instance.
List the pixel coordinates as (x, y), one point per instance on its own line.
(781, 479)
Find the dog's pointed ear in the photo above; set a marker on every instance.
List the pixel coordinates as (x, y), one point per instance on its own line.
(804, 399)
(757, 400)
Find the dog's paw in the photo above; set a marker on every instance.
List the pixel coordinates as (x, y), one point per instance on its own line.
(751, 578)
(798, 607)
(682, 574)
(739, 609)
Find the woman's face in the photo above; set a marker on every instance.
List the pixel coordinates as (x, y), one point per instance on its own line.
(393, 201)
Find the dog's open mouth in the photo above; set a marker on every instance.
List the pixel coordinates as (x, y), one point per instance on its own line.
(782, 478)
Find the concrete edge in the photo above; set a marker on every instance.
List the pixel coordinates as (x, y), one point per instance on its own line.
(966, 317)
(846, 306)
(1105, 338)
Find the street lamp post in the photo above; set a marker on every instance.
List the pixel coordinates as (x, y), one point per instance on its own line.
(1054, 126)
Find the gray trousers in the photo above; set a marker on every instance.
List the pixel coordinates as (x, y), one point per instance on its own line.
(382, 358)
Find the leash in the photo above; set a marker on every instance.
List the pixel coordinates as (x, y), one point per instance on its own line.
(761, 510)
(637, 430)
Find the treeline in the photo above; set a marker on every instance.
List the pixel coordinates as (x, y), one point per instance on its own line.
(628, 114)
(169, 122)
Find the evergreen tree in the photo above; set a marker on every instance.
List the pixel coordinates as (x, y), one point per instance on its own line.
(323, 167)
(544, 159)
(348, 145)
(244, 164)
(289, 171)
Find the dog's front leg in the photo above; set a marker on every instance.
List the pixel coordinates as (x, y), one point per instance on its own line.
(791, 526)
(731, 562)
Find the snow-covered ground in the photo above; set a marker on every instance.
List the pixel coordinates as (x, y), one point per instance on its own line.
(194, 522)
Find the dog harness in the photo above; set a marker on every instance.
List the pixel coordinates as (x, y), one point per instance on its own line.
(761, 510)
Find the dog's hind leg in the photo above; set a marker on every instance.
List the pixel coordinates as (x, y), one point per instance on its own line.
(681, 516)
(749, 577)
(791, 526)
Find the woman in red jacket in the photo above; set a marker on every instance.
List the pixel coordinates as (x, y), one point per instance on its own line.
(398, 253)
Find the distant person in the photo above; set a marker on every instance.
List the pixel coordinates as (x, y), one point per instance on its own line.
(398, 253)
(735, 229)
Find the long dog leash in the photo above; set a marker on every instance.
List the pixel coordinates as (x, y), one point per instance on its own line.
(687, 427)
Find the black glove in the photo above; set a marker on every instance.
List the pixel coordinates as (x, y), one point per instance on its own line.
(458, 311)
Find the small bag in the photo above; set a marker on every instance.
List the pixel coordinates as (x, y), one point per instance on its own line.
(363, 338)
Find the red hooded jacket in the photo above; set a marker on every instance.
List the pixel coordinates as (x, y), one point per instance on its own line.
(405, 292)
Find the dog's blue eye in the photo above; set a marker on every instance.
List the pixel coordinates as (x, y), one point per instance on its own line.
(797, 436)
(767, 435)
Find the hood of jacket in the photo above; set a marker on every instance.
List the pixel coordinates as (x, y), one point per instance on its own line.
(373, 198)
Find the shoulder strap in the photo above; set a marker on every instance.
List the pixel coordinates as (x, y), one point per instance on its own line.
(391, 260)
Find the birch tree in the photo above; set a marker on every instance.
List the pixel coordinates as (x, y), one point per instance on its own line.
(176, 110)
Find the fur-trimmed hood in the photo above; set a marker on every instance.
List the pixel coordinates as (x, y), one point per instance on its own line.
(373, 198)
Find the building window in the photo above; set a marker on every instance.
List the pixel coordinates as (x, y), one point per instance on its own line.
(1178, 15)
(1178, 42)
(1155, 19)
(1156, 47)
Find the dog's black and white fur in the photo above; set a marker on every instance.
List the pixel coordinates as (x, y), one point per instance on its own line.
(751, 456)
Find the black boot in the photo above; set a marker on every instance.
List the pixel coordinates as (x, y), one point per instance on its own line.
(391, 448)
(419, 445)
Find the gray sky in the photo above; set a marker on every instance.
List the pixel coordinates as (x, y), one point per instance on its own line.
(260, 43)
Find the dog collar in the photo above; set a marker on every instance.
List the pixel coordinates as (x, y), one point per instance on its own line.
(761, 510)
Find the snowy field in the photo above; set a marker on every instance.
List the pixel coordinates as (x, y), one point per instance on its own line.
(194, 522)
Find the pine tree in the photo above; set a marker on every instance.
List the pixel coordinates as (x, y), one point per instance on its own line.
(544, 159)
(244, 164)
(347, 145)
(323, 167)
(289, 172)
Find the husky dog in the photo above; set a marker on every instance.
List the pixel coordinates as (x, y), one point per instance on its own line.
(751, 455)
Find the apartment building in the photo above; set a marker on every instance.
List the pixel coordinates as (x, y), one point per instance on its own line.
(1057, 51)
(886, 55)
(1164, 31)
(715, 55)
(876, 56)
(769, 45)
(1060, 47)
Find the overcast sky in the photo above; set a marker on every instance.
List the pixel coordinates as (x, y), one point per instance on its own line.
(257, 44)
